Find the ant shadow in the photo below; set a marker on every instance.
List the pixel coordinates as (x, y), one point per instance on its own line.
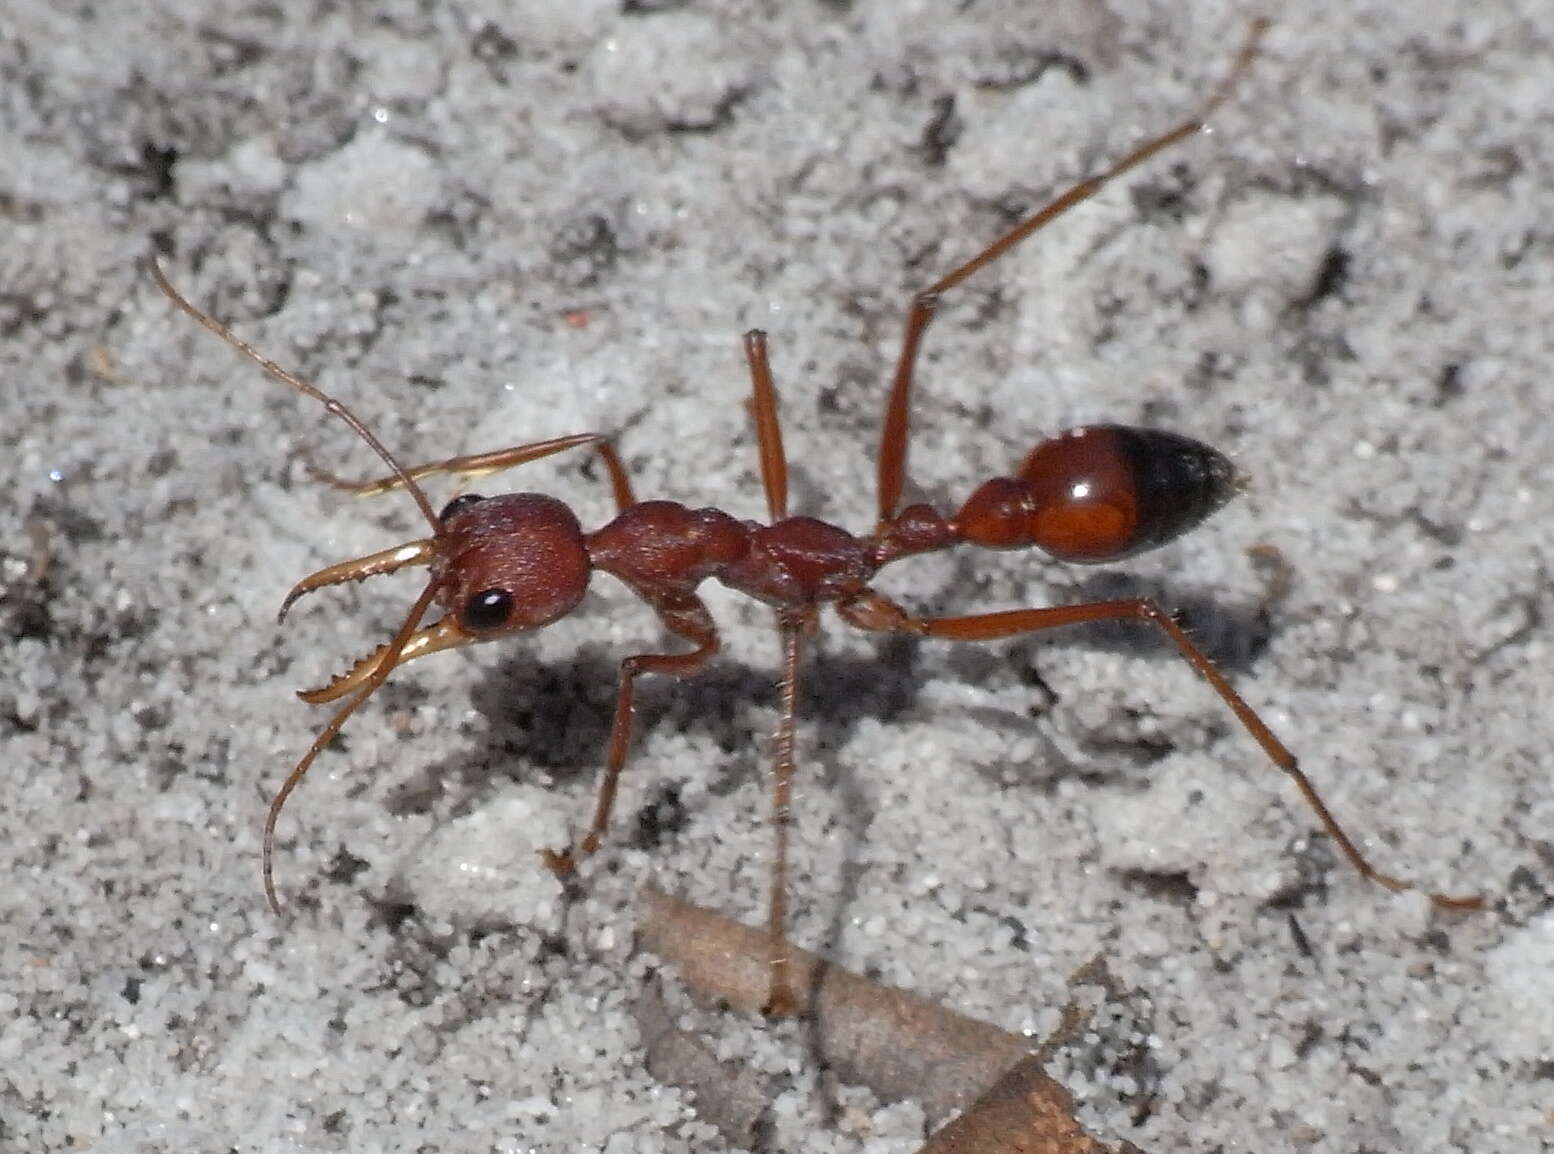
(554, 717)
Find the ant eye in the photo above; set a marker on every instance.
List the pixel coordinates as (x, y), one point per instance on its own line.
(456, 506)
(488, 609)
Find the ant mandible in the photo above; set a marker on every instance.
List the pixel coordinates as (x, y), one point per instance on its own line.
(517, 562)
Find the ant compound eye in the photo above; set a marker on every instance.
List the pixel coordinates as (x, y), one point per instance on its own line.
(488, 609)
(456, 506)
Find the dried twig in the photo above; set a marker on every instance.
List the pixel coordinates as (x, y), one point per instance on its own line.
(1024, 1112)
(899, 1044)
(894, 1042)
(732, 1098)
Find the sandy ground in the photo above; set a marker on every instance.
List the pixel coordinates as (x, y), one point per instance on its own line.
(484, 224)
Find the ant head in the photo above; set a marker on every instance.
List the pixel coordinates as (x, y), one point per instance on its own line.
(509, 563)
(499, 565)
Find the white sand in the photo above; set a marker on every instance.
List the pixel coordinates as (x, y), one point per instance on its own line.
(407, 207)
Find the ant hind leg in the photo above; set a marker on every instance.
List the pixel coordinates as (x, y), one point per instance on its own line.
(876, 613)
(895, 429)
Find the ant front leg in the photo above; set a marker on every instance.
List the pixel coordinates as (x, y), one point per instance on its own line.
(476, 465)
(874, 612)
(688, 619)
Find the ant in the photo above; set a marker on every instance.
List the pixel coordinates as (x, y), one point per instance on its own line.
(517, 562)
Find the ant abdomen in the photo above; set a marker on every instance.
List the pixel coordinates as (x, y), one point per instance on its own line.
(1100, 493)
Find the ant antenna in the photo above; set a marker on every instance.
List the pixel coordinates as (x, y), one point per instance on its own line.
(280, 374)
(391, 653)
(386, 663)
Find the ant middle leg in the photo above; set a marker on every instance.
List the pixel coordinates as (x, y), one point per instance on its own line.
(793, 625)
(877, 613)
(895, 428)
(688, 619)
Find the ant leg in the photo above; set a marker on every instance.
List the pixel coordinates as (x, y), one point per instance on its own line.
(768, 428)
(781, 999)
(895, 428)
(792, 625)
(686, 618)
(874, 612)
(476, 465)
